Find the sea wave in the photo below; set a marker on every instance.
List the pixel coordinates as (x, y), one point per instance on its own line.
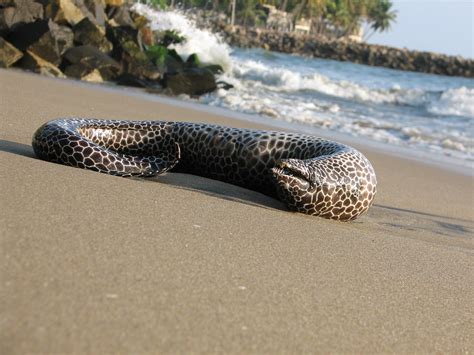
(207, 45)
(457, 102)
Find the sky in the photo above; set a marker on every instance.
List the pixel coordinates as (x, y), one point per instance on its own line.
(443, 26)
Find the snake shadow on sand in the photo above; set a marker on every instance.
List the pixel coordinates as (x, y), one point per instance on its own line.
(17, 148)
(219, 189)
(188, 182)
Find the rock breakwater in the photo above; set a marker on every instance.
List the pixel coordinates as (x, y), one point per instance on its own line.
(342, 50)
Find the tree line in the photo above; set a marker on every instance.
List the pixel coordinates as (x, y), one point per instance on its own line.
(328, 17)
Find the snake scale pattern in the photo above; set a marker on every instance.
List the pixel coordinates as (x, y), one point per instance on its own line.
(309, 174)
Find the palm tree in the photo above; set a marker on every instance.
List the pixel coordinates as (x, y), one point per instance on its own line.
(380, 16)
(232, 16)
(252, 13)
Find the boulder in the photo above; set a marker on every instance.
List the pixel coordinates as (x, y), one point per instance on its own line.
(127, 50)
(193, 61)
(120, 35)
(91, 58)
(23, 36)
(137, 63)
(72, 12)
(120, 16)
(84, 72)
(130, 80)
(8, 54)
(52, 45)
(87, 33)
(94, 77)
(49, 7)
(6, 3)
(166, 60)
(97, 9)
(192, 82)
(68, 13)
(173, 62)
(22, 11)
(34, 63)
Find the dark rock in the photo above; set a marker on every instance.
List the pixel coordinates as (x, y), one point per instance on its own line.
(169, 37)
(118, 36)
(92, 58)
(224, 85)
(173, 62)
(130, 80)
(87, 33)
(127, 50)
(8, 54)
(216, 69)
(32, 62)
(53, 43)
(166, 60)
(120, 16)
(193, 61)
(137, 63)
(25, 35)
(193, 82)
(156, 89)
(22, 11)
(6, 3)
(49, 8)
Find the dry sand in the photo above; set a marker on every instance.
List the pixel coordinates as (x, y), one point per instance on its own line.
(180, 264)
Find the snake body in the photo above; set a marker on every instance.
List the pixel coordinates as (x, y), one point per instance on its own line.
(309, 174)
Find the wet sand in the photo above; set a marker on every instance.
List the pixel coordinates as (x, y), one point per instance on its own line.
(92, 263)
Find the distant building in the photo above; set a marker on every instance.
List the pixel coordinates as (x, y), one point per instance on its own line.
(358, 36)
(303, 26)
(278, 20)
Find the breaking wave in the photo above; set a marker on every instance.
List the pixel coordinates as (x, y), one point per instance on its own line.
(458, 101)
(208, 46)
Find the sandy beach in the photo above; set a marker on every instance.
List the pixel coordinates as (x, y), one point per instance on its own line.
(92, 263)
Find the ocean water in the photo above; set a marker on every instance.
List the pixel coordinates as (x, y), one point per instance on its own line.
(427, 113)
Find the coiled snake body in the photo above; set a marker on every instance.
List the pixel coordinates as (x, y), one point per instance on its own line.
(310, 175)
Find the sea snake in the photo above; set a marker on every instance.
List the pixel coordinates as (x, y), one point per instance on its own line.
(309, 174)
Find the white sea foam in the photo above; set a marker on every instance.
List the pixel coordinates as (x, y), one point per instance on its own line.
(458, 102)
(208, 46)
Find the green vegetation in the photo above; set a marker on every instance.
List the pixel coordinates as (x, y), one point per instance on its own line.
(336, 18)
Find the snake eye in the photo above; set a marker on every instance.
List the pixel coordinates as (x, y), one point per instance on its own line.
(289, 174)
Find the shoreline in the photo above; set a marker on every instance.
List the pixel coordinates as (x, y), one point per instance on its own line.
(180, 264)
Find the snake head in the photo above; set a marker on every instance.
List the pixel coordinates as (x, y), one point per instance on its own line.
(292, 173)
(295, 183)
(320, 187)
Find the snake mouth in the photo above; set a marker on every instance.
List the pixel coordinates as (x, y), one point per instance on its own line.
(285, 173)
